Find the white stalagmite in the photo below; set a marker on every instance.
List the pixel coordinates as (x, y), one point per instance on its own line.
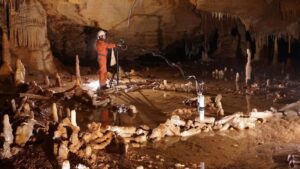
(268, 83)
(66, 165)
(275, 56)
(8, 137)
(73, 118)
(54, 112)
(78, 77)
(237, 79)
(20, 72)
(248, 68)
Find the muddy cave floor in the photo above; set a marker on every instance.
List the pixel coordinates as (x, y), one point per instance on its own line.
(266, 146)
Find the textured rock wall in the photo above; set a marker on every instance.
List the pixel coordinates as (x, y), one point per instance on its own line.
(152, 24)
(28, 35)
(71, 25)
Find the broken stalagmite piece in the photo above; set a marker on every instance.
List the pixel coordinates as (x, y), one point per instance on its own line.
(261, 115)
(24, 132)
(20, 72)
(8, 137)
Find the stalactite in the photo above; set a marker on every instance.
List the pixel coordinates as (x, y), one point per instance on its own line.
(28, 26)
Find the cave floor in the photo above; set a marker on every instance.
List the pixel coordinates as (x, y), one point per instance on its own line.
(264, 147)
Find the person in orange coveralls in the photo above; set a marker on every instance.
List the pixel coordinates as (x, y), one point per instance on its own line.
(102, 46)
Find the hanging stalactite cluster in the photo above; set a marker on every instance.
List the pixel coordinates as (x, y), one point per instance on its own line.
(28, 26)
(26, 23)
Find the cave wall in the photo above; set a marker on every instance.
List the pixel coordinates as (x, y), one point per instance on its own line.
(68, 27)
(26, 27)
(153, 24)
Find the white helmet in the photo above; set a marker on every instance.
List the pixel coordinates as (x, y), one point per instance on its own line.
(101, 35)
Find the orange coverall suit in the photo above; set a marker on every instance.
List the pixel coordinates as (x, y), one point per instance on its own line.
(102, 47)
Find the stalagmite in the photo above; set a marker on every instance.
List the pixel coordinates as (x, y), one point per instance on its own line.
(78, 77)
(248, 68)
(66, 165)
(237, 78)
(73, 118)
(58, 80)
(20, 72)
(268, 83)
(275, 56)
(54, 112)
(13, 105)
(47, 81)
(8, 137)
(220, 111)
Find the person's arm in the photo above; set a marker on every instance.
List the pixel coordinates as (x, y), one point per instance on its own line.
(110, 45)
